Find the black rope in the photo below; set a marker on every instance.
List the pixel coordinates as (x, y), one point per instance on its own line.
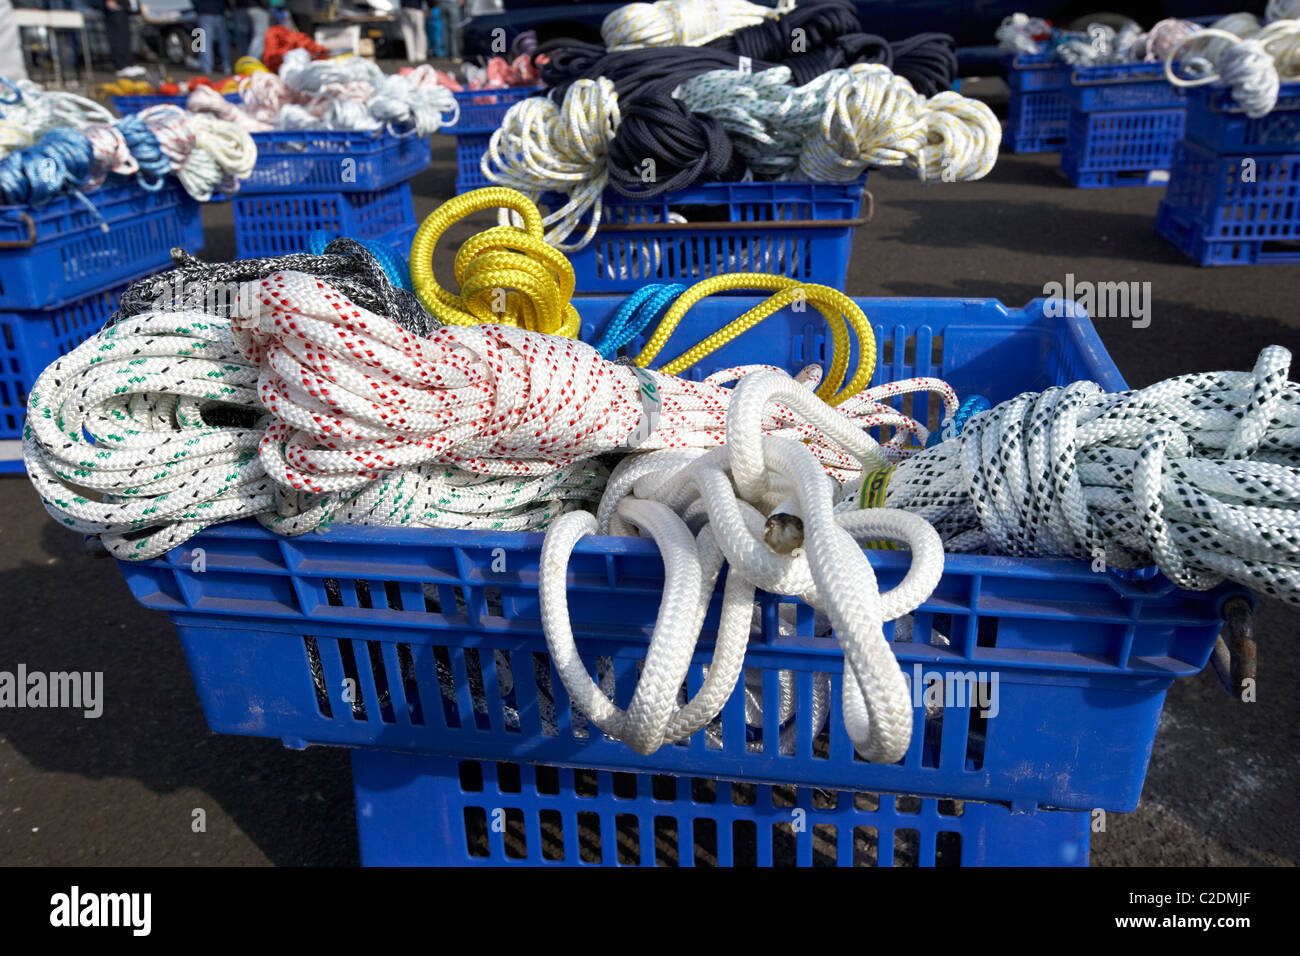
(661, 146)
(212, 287)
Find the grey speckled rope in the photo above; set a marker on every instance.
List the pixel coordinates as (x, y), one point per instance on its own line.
(211, 287)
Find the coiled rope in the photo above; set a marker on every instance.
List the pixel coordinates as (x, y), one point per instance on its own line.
(28, 112)
(838, 125)
(541, 147)
(727, 494)
(347, 93)
(1198, 474)
(506, 275)
(829, 130)
(682, 22)
(1252, 64)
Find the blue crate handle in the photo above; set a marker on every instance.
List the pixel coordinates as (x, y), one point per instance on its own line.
(27, 243)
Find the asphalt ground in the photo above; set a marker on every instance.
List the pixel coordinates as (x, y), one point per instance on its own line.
(1223, 784)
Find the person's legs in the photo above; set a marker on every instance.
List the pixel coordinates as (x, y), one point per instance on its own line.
(118, 25)
(208, 25)
(408, 35)
(421, 37)
(453, 29)
(223, 37)
(261, 21)
(242, 32)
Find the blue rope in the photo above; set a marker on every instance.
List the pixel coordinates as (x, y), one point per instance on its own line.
(967, 410)
(143, 144)
(60, 163)
(18, 94)
(638, 310)
(394, 266)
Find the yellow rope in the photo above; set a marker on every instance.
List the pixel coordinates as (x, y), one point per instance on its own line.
(841, 314)
(507, 275)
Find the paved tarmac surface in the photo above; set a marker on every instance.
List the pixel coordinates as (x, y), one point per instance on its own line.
(1224, 780)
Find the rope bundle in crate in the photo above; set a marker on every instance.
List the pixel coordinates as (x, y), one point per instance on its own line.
(302, 403)
(1251, 60)
(726, 123)
(76, 152)
(347, 93)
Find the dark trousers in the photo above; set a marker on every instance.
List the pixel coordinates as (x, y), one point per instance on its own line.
(118, 24)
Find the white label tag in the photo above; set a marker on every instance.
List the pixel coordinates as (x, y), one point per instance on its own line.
(651, 405)
(745, 65)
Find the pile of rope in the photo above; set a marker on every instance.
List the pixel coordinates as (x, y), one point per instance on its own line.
(280, 40)
(818, 36)
(347, 93)
(205, 154)
(1240, 54)
(28, 112)
(723, 126)
(499, 73)
(682, 22)
(1097, 45)
(1198, 474)
(300, 400)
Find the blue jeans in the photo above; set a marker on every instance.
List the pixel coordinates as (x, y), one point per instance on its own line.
(214, 34)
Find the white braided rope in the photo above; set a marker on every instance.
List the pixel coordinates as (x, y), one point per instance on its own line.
(541, 147)
(1198, 474)
(682, 22)
(728, 492)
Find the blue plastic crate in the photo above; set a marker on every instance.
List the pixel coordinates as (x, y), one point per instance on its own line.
(440, 630)
(275, 224)
(136, 102)
(1233, 209)
(1214, 120)
(334, 160)
(1038, 112)
(470, 148)
(1038, 71)
(1123, 86)
(797, 229)
(481, 111)
(29, 341)
(1121, 147)
(423, 811)
(62, 251)
(1037, 122)
(1124, 121)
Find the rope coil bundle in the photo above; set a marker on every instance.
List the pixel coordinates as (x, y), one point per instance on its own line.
(78, 148)
(1198, 474)
(682, 22)
(1250, 60)
(829, 130)
(28, 112)
(347, 93)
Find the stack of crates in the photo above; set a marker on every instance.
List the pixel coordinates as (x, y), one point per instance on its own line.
(1037, 683)
(63, 266)
(1124, 122)
(346, 182)
(1038, 113)
(1234, 187)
